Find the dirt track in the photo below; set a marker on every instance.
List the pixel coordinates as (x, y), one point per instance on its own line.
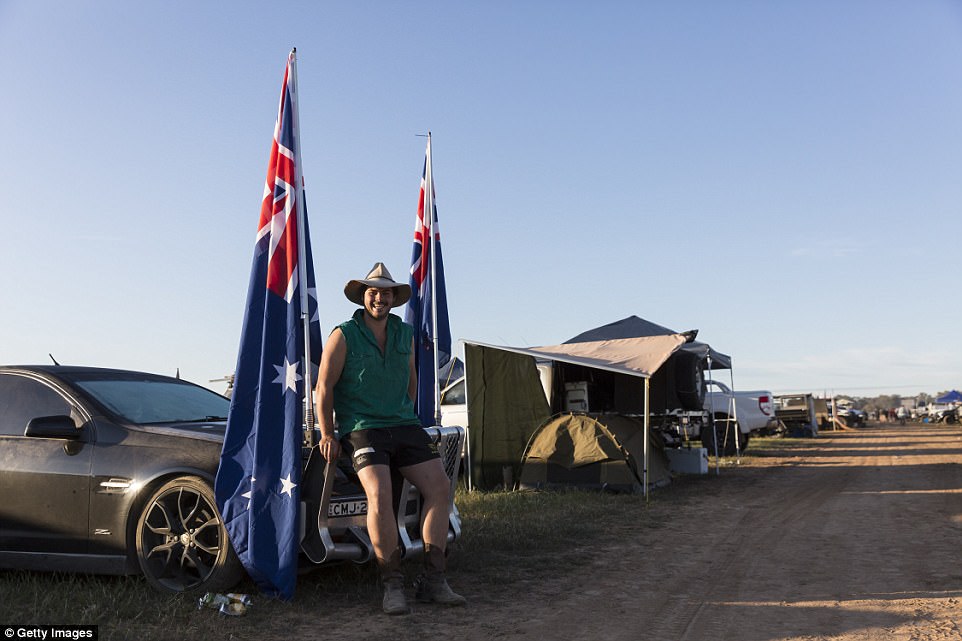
(857, 537)
(854, 537)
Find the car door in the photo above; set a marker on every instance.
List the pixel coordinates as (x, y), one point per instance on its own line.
(44, 482)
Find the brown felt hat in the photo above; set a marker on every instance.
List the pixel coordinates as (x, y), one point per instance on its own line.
(381, 278)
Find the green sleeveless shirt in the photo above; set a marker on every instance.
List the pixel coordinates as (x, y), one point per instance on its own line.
(373, 389)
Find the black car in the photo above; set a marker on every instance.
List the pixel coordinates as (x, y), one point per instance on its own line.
(111, 472)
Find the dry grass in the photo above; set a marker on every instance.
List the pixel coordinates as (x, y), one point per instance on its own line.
(501, 531)
(776, 446)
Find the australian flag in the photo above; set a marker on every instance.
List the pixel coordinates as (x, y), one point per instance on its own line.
(420, 311)
(258, 482)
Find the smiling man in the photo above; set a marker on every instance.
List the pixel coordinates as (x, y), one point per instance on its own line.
(368, 382)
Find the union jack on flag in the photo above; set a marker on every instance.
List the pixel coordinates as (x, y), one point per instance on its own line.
(421, 307)
(257, 484)
(278, 219)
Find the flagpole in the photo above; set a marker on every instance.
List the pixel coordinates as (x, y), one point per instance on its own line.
(299, 201)
(429, 210)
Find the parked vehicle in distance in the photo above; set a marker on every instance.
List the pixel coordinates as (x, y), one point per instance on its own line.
(111, 472)
(948, 415)
(852, 417)
(749, 412)
(802, 414)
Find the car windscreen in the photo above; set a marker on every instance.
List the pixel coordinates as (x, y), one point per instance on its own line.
(149, 401)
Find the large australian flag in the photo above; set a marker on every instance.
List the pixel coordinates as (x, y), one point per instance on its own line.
(258, 482)
(423, 308)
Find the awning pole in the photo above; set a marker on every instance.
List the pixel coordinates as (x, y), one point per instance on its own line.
(467, 458)
(647, 415)
(469, 475)
(711, 422)
(734, 414)
(711, 414)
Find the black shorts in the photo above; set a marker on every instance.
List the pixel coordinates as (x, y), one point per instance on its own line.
(402, 446)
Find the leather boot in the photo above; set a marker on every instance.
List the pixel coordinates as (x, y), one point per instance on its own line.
(432, 586)
(393, 582)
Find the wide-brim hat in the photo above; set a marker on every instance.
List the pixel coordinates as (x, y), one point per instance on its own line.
(381, 278)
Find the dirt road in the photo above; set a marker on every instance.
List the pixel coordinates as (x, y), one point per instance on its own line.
(857, 537)
(854, 537)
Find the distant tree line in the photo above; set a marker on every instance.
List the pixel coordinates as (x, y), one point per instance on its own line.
(888, 401)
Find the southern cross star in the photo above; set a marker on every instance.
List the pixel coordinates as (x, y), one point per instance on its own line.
(288, 486)
(247, 494)
(287, 375)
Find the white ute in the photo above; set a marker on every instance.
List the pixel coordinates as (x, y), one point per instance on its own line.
(751, 412)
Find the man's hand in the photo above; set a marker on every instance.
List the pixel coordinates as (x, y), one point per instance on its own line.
(330, 448)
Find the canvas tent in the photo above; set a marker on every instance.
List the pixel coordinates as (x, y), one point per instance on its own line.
(604, 452)
(507, 403)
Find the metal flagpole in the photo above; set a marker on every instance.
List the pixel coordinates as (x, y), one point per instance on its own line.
(429, 211)
(302, 258)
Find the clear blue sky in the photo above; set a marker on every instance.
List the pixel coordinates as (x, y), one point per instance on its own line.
(784, 176)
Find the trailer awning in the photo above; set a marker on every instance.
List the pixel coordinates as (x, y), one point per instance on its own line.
(638, 356)
(634, 326)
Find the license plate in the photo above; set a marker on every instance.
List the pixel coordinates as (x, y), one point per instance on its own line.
(347, 508)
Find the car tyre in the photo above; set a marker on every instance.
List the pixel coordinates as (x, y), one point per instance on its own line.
(689, 372)
(180, 541)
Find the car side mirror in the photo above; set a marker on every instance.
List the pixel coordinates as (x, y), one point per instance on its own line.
(60, 426)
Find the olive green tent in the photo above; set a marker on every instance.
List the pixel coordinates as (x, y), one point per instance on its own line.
(507, 403)
(593, 452)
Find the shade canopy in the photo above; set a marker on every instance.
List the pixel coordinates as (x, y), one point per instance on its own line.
(633, 327)
(641, 356)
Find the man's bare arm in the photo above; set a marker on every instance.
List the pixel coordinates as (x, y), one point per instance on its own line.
(332, 365)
